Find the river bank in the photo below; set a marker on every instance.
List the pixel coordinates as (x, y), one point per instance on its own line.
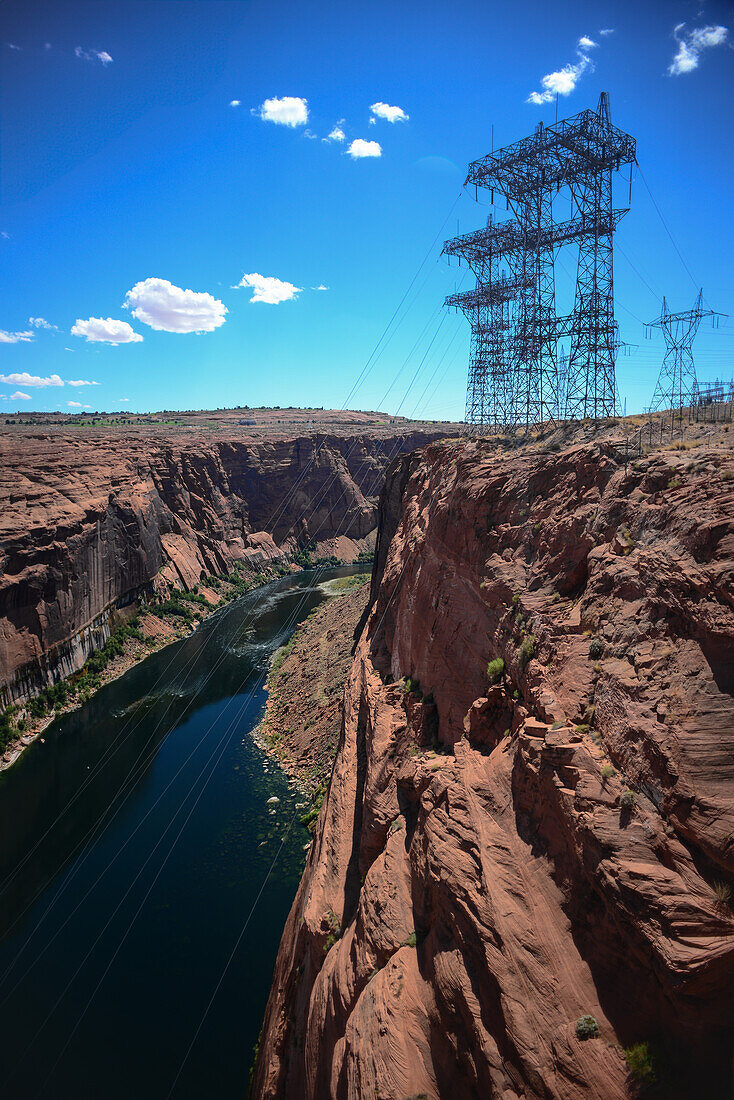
(302, 721)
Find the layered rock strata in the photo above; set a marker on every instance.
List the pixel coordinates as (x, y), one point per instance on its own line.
(86, 525)
(505, 849)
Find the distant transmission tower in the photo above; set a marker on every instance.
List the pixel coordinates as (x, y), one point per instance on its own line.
(514, 371)
(676, 387)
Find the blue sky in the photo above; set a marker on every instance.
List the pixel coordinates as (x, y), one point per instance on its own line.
(129, 178)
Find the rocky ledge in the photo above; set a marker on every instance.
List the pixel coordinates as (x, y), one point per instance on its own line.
(520, 880)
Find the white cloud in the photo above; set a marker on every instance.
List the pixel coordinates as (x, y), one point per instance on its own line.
(288, 111)
(605, 31)
(93, 55)
(563, 81)
(106, 330)
(337, 133)
(5, 235)
(586, 43)
(25, 379)
(692, 43)
(41, 322)
(320, 287)
(235, 102)
(15, 337)
(168, 308)
(79, 381)
(361, 148)
(12, 46)
(266, 288)
(390, 114)
(18, 396)
(123, 398)
(74, 404)
(310, 134)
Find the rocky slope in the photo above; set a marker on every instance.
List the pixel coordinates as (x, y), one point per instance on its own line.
(89, 523)
(305, 685)
(499, 855)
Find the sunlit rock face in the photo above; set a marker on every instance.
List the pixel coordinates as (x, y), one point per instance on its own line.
(481, 877)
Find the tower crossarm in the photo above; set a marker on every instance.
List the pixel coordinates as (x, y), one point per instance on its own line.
(554, 155)
(502, 290)
(504, 238)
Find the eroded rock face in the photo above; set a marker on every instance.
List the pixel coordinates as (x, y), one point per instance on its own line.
(477, 881)
(87, 524)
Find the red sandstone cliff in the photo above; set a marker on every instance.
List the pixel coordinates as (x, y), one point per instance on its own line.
(86, 523)
(461, 909)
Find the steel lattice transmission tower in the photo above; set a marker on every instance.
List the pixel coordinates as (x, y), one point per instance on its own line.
(676, 387)
(513, 373)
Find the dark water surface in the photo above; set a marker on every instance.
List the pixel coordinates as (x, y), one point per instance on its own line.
(115, 932)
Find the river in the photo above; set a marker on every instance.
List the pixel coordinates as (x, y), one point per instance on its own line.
(134, 846)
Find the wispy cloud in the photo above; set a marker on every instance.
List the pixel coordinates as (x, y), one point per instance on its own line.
(74, 404)
(169, 308)
(106, 330)
(563, 81)
(79, 381)
(287, 111)
(93, 55)
(390, 114)
(15, 337)
(337, 133)
(691, 45)
(586, 43)
(12, 46)
(32, 380)
(266, 288)
(320, 287)
(235, 102)
(41, 322)
(5, 235)
(361, 148)
(18, 396)
(605, 31)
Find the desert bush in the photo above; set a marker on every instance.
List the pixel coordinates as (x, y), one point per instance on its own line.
(607, 771)
(596, 648)
(627, 800)
(722, 893)
(526, 652)
(641, 1063)
(495, 669)
(586, 1028)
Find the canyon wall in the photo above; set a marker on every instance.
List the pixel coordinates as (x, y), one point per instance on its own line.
(89, 524)
(505, 849)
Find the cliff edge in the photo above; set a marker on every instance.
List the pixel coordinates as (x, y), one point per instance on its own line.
(531, 814)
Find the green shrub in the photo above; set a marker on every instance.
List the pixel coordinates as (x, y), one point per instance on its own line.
(516, 599)
(411, 941)
(586, 1028)
(607, 771)
(641, 1063)
(722, 892)
(495, 670)
(411, 685)
(627, 800)
(596, 648)
(526, 652)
